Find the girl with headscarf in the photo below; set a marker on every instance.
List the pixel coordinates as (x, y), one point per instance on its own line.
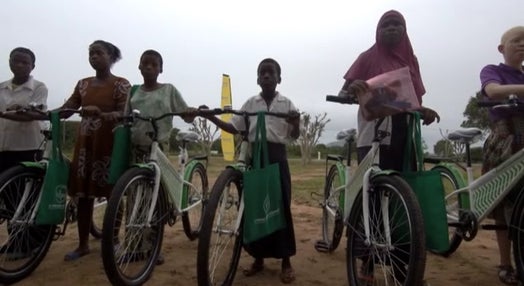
(391, 51)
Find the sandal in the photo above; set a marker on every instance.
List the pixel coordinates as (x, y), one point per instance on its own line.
(507, 275)
(74, 255)
(287, 276)
(254, 269)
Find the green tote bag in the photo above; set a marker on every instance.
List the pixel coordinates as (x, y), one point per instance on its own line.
(51, 209)
(120, 155)
(263, 206)
(428, 188)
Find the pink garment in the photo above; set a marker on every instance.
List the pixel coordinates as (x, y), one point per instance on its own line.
(380, 59)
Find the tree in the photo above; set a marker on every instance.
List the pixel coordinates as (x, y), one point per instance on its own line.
(206, 133)
(310, 132)
(443, 148)
(476, 116)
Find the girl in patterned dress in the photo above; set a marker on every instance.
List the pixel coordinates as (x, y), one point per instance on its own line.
(102, 99)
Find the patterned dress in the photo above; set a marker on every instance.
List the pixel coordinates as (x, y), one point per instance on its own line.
(90, 166)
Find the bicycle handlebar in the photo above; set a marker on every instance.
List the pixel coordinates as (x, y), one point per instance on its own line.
(136, 115)
(38, 109)
(342, 100)
(512, 101)
(218, 111)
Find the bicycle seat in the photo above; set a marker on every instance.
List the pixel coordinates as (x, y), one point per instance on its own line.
(465, 135)
(189, 136)
(347, 134)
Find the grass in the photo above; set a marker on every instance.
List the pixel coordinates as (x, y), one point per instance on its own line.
(304, 179)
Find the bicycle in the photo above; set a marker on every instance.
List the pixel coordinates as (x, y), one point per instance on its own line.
(223, 218)
(468, 206)
(385, 237)
(337, 173)
(146, 197)
(332, 202)
(20, 193)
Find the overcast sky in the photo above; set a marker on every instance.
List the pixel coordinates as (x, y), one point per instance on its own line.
(314, 41)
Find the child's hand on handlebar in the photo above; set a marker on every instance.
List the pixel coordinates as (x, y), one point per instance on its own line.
(14, 107)
(90, 111)
(429, 115)
(205, 115)
(111, 116)
(190, 114)
(294, 118)
(358, 87)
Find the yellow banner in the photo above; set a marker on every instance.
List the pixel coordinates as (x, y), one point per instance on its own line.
(227, 139)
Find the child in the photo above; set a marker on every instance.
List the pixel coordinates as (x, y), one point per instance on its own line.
(20, 136)
(391, 51)
(280, 244)
(507, 128)
(20, 140)
(155, 99)
(102, 99)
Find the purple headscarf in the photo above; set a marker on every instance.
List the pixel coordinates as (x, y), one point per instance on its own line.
(380, 58)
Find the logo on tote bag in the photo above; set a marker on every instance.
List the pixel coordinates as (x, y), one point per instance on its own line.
(267, 210)
(60, 197)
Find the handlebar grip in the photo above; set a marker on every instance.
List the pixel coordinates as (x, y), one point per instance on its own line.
(343, 100)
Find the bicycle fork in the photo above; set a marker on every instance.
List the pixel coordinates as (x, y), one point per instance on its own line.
(28, 186)
(139, 197)
(228, 203)
(384, 203)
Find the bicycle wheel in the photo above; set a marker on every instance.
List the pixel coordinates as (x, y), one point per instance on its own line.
(379, 262)
(332, 214)
(23, 244)
(192, 219)
(453, 207)
(517, 235)
(99, 209)
(130, 246)
(220, 243)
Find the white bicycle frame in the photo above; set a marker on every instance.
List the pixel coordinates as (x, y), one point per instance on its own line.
(173, 179)
(487, 191)
(360, 180)
(28, 187)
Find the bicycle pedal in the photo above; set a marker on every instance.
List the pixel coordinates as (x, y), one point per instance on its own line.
(322, 246)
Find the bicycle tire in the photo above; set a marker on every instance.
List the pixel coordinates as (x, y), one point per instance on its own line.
(99, 209)
(18, 260)
(222, 207)
(332, 225)
(453, 207)
(403, 262)
(192, 219)
(516, 232)
(127, 261)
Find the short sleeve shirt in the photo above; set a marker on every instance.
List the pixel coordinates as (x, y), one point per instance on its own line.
(501, 74)
(277, 129)
(21, 135)
(166, 99)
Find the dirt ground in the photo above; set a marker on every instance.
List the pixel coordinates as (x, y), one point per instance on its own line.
(473, 264)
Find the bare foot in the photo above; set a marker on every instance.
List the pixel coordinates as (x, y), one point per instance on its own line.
(74, 255)
(254, 269)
